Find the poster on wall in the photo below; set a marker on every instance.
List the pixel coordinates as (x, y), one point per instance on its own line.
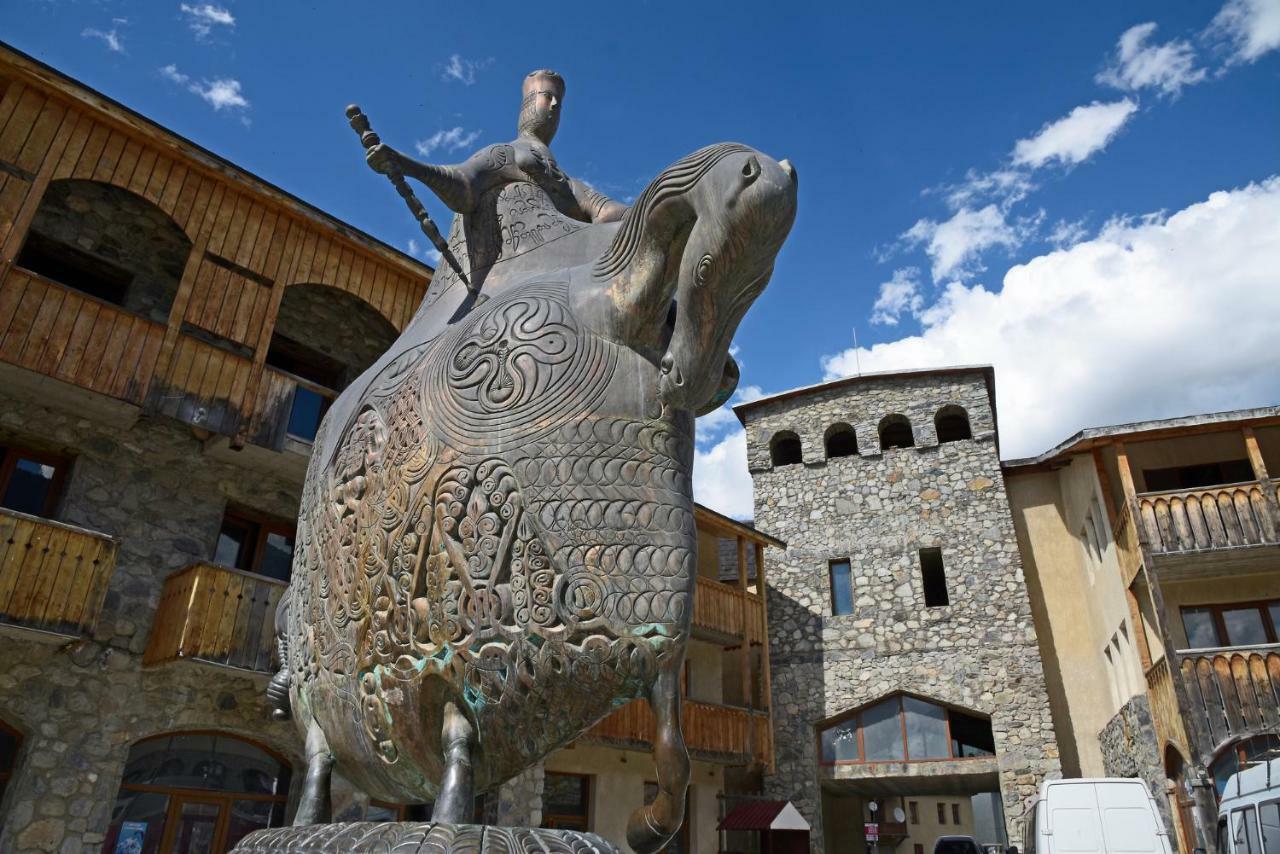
(132, 835)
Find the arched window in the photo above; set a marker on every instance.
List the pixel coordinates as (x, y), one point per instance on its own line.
(109, 243)
(904, 728)
(895, 432)
(196, 791)
(952, 424)
(10, 744)
(1238, 755)
(841, 441)
(784, 449)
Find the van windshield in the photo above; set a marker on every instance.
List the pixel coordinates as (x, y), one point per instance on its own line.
(956, 846)
(1244, 831)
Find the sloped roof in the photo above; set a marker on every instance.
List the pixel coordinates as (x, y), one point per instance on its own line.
(764, 815)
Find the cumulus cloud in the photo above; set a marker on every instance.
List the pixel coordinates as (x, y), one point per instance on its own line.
(462, 70)
(1073, 138)
(452, 139)
(203, 18)
(426, 253)
(1153, 317)
(899, 295)
(1067, 233)
(954, 245)
(1137, 64)
(223, 93)
(110, 38)
(720, 477)
(1250, 28)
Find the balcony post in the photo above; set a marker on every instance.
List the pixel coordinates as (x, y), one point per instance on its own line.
(762, 589)
(744, 648)
(1255, 454)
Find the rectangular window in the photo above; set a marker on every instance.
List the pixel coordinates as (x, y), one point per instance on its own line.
(918, 848)
(1269, 818)
(955, 813)
(1236, 624)
(255, 544)
(914, 809)
(31, 481)
(1244, 831)
(942, 813)
(841, 588)
(934, 578)
(566, 801)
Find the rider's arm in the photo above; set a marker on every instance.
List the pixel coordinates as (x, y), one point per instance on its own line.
(459, 186)
(596, 204)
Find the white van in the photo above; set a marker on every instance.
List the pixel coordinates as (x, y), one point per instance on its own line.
(1249, 812)
(1095, 816)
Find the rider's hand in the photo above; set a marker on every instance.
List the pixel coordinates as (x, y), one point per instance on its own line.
(382, 158)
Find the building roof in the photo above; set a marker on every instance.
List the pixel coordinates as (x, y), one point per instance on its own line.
(727, 527)
(987, 371)
(764, 815)
(89, 97)
(1163, 428)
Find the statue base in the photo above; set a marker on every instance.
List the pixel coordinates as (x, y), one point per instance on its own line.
(420, 837)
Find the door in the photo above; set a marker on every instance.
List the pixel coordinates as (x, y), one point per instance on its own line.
(194, 826)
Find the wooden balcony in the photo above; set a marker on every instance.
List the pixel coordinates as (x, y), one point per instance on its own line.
(725, 614)
(216, 615)
(725, 734)
(53, 576)
(1216, 517)
(1233, 691)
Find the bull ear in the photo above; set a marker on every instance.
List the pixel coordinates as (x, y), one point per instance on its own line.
(724, 391)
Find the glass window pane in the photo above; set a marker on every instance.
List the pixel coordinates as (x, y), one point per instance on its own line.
(971, 736)
(1244, 831)
(197, 822)
(840, 742)
(277, 557)
(882, 731)
(565, 794)
(841, 588)
(1273, 611)
(304, 417)
(248, 816)
(202, 761)
(29, 487)
(1269, 818)
(1200, 628)
(926, 729)
(1244, 626)
(137, 823)
(233, 541)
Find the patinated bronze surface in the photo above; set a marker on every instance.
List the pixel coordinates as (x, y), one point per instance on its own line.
(496, 546)
(420, 838)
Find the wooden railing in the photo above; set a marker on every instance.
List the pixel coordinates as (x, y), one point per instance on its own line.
(1164, 704)
(725, 734)
(68, 335)
(723, 611)
(1234, 691)
(1216, 517)
(216, 615)
(53, 576)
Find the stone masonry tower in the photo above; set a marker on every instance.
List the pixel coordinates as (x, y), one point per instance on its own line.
(905, 664)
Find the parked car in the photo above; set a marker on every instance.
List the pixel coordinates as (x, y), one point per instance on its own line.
(956, 845)
(1095, 816)
(1249, 812)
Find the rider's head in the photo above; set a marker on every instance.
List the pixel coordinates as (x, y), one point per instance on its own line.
(540, 110)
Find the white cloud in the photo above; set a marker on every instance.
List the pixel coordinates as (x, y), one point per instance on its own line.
(221, 94)
(426, 253)
(1065, 234)
(110, 38)
(204, 17)
(720, 477)
(1073, 138)
(462, 70)
(1250, 27)
(1152, 318)
(1138, 65)
(450, 140)
(899, 294)
(954, 245)
(1006, 186)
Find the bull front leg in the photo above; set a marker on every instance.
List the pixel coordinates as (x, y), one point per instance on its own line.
(456, 803)
(316, 806)
(653, 825)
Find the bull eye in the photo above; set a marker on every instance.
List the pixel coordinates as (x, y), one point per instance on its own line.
(751, 169)
(703, 272)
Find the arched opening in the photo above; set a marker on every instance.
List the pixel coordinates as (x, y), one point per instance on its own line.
(952, 424)
(904, 728)
(841, 441)
(1180, 802)
(784, 449)
(196, 791)
(325, 338)
(10, 744)
(108, 243)
(1241, 754)
(895, 432)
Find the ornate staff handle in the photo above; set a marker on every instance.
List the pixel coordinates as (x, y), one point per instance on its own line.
(360, 124)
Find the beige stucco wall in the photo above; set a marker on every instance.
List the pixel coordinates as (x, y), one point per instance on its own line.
(705, 665)
(843, 817)
(617, 788)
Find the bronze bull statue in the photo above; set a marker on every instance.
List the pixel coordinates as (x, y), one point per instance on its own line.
(496, 546)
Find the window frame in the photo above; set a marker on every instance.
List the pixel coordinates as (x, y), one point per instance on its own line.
(1216, 609)
(567, 820)
(856, 717)
(831, 582)
(261, 527)
(955, 814)
(11, 453)
(942, 814)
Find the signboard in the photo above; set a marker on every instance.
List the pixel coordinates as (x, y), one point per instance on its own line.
(872, 831)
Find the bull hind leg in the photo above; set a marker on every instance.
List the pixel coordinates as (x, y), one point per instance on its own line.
(315, 806)
(456, 803)
(653, 825)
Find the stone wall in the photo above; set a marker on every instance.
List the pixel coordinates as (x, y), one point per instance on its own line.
(877, 510)
(1131, 748)
(335, 323)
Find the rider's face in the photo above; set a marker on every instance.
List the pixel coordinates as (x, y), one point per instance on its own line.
(546, 108)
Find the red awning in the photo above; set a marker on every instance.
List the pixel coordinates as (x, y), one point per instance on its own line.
(753, 815)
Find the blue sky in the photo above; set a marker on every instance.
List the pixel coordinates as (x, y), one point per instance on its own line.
(1082, 194)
